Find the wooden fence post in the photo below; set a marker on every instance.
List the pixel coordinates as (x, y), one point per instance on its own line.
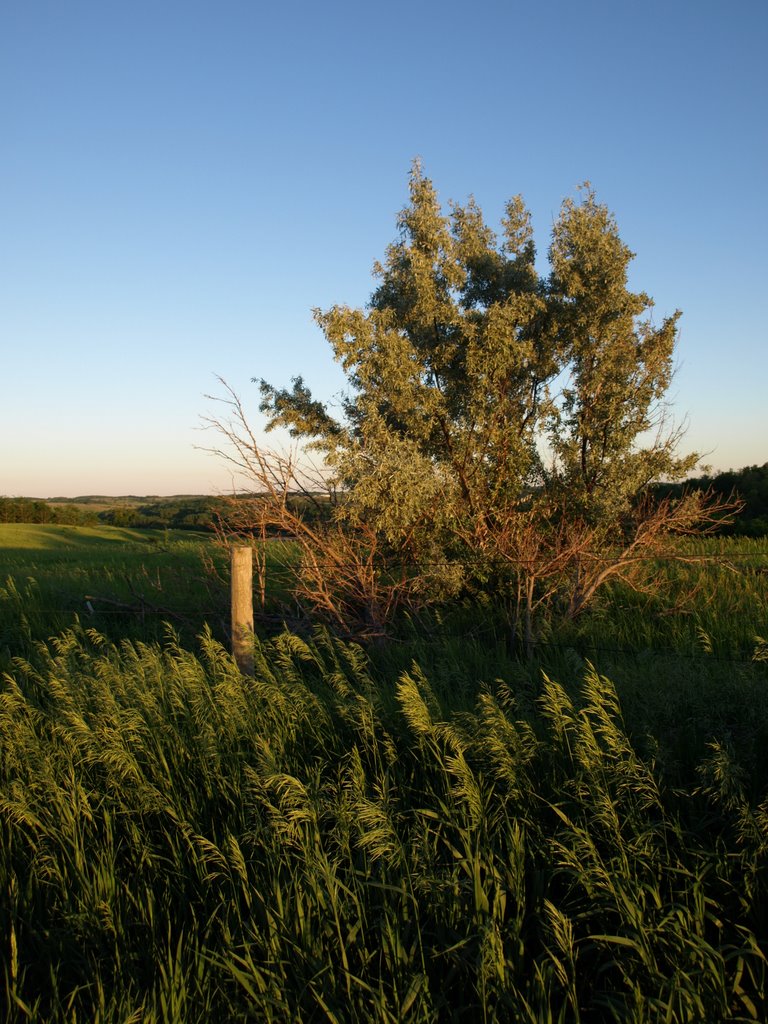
(242, 608)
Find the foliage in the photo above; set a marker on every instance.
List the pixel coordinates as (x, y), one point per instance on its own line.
(500, 429)
(34, 511)
(751, 486)
(186, 512)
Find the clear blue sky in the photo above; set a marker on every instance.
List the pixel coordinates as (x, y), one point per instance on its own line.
(181, 182)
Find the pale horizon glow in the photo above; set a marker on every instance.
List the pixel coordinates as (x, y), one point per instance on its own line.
(181, 183)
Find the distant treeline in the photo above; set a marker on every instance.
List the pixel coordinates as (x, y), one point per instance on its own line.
(188, 513)
(185, 512)
(31, 510)
(749, 484)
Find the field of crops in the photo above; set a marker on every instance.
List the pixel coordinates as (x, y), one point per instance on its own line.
(434, 831)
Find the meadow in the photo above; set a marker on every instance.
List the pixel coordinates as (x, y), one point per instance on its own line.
(429, 831)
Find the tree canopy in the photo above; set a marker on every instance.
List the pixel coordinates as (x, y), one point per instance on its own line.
(496, 415)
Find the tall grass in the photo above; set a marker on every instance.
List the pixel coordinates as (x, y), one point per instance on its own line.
(715, 601)
(181, 843)
(442, 834)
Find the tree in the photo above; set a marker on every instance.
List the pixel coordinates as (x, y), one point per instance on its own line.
(499, 426)
(619, 366)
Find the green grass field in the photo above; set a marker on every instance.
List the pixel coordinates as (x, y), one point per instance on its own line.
(433, 831)
(122, 581)
(720, 594)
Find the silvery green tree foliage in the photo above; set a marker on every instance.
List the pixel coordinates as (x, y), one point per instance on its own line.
(497, 417)
(608, 432)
